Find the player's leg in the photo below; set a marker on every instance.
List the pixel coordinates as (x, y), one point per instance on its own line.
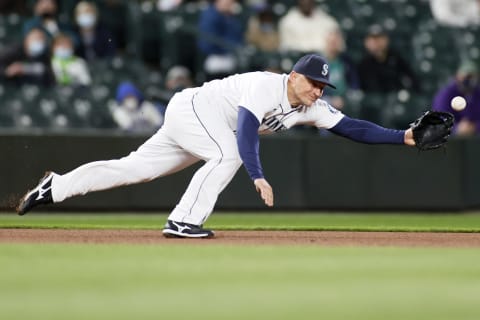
(208, 182)
(214, 142)
(157, 157)
(198, 201)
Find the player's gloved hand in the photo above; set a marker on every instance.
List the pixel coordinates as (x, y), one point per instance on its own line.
(432, 129)
(265, 190)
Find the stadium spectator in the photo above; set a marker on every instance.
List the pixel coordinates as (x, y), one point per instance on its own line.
(68, 68)
(343, 72)
(168, 5)
(382, 69)
(298, 28)
(46, 18)
(96, 41)
(28, 62)
(116, 19)
(456, 13)
(221, 34)
(466, 84)
(177, 78)
(262, 31)
(133, 113)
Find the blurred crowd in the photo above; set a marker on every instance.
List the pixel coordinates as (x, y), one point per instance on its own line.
(61, 44)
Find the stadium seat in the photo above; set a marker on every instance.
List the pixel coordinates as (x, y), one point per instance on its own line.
(179, 30)
(158, 40)
(149, 43)
(11, 29)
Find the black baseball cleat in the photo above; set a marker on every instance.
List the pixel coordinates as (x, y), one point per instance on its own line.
(41, 194)
(174, 229)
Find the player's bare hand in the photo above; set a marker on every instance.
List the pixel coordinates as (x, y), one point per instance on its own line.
(265, 190)
(409, 138)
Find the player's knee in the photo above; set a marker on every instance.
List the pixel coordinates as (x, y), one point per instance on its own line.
(227, 160)
(234, 161)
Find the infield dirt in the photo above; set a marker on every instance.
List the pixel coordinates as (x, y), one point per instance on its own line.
(318, 238)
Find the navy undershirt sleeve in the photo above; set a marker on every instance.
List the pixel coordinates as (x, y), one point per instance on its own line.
(248, 142)
(367, 132)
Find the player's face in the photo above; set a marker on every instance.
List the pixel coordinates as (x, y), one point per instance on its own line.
(306, 91)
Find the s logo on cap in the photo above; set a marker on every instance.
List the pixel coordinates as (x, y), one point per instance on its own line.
(325, 70)
(313, 67)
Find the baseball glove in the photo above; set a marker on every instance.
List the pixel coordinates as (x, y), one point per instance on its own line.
(431, 129)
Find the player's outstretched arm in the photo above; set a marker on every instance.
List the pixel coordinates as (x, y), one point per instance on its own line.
(368, 132)
(265, 190)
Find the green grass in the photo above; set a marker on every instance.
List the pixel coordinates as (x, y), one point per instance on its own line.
(235, 282)
(453, 222)
(212, 281)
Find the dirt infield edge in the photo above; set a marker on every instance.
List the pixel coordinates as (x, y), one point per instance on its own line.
(318, 238)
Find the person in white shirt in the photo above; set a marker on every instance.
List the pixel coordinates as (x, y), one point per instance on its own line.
(297, 28)
(218, 123)
(456, 13)
(133, 113)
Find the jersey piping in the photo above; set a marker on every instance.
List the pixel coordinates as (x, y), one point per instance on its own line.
(214, 167)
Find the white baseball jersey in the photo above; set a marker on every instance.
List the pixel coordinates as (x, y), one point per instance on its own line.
(200, 124)
(265, 95)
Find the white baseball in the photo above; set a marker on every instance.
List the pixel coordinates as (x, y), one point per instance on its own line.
(458, 103)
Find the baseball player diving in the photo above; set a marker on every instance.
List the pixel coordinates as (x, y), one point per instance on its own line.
(218, 123)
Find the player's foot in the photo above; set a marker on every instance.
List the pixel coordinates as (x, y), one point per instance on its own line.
(41, 194)
(174, 229)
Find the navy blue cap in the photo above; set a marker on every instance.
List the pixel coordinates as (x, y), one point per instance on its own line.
(314, 67)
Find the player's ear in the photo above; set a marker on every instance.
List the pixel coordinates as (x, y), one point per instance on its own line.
(293, 76)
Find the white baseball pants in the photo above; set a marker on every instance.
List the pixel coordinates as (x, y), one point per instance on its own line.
(193, 131)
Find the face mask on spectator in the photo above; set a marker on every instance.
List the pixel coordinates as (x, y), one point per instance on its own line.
(86, 20)
(35, 48)
(63, 52)
(130, 103)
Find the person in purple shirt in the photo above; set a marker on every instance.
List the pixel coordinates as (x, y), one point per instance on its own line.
(464, 84)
